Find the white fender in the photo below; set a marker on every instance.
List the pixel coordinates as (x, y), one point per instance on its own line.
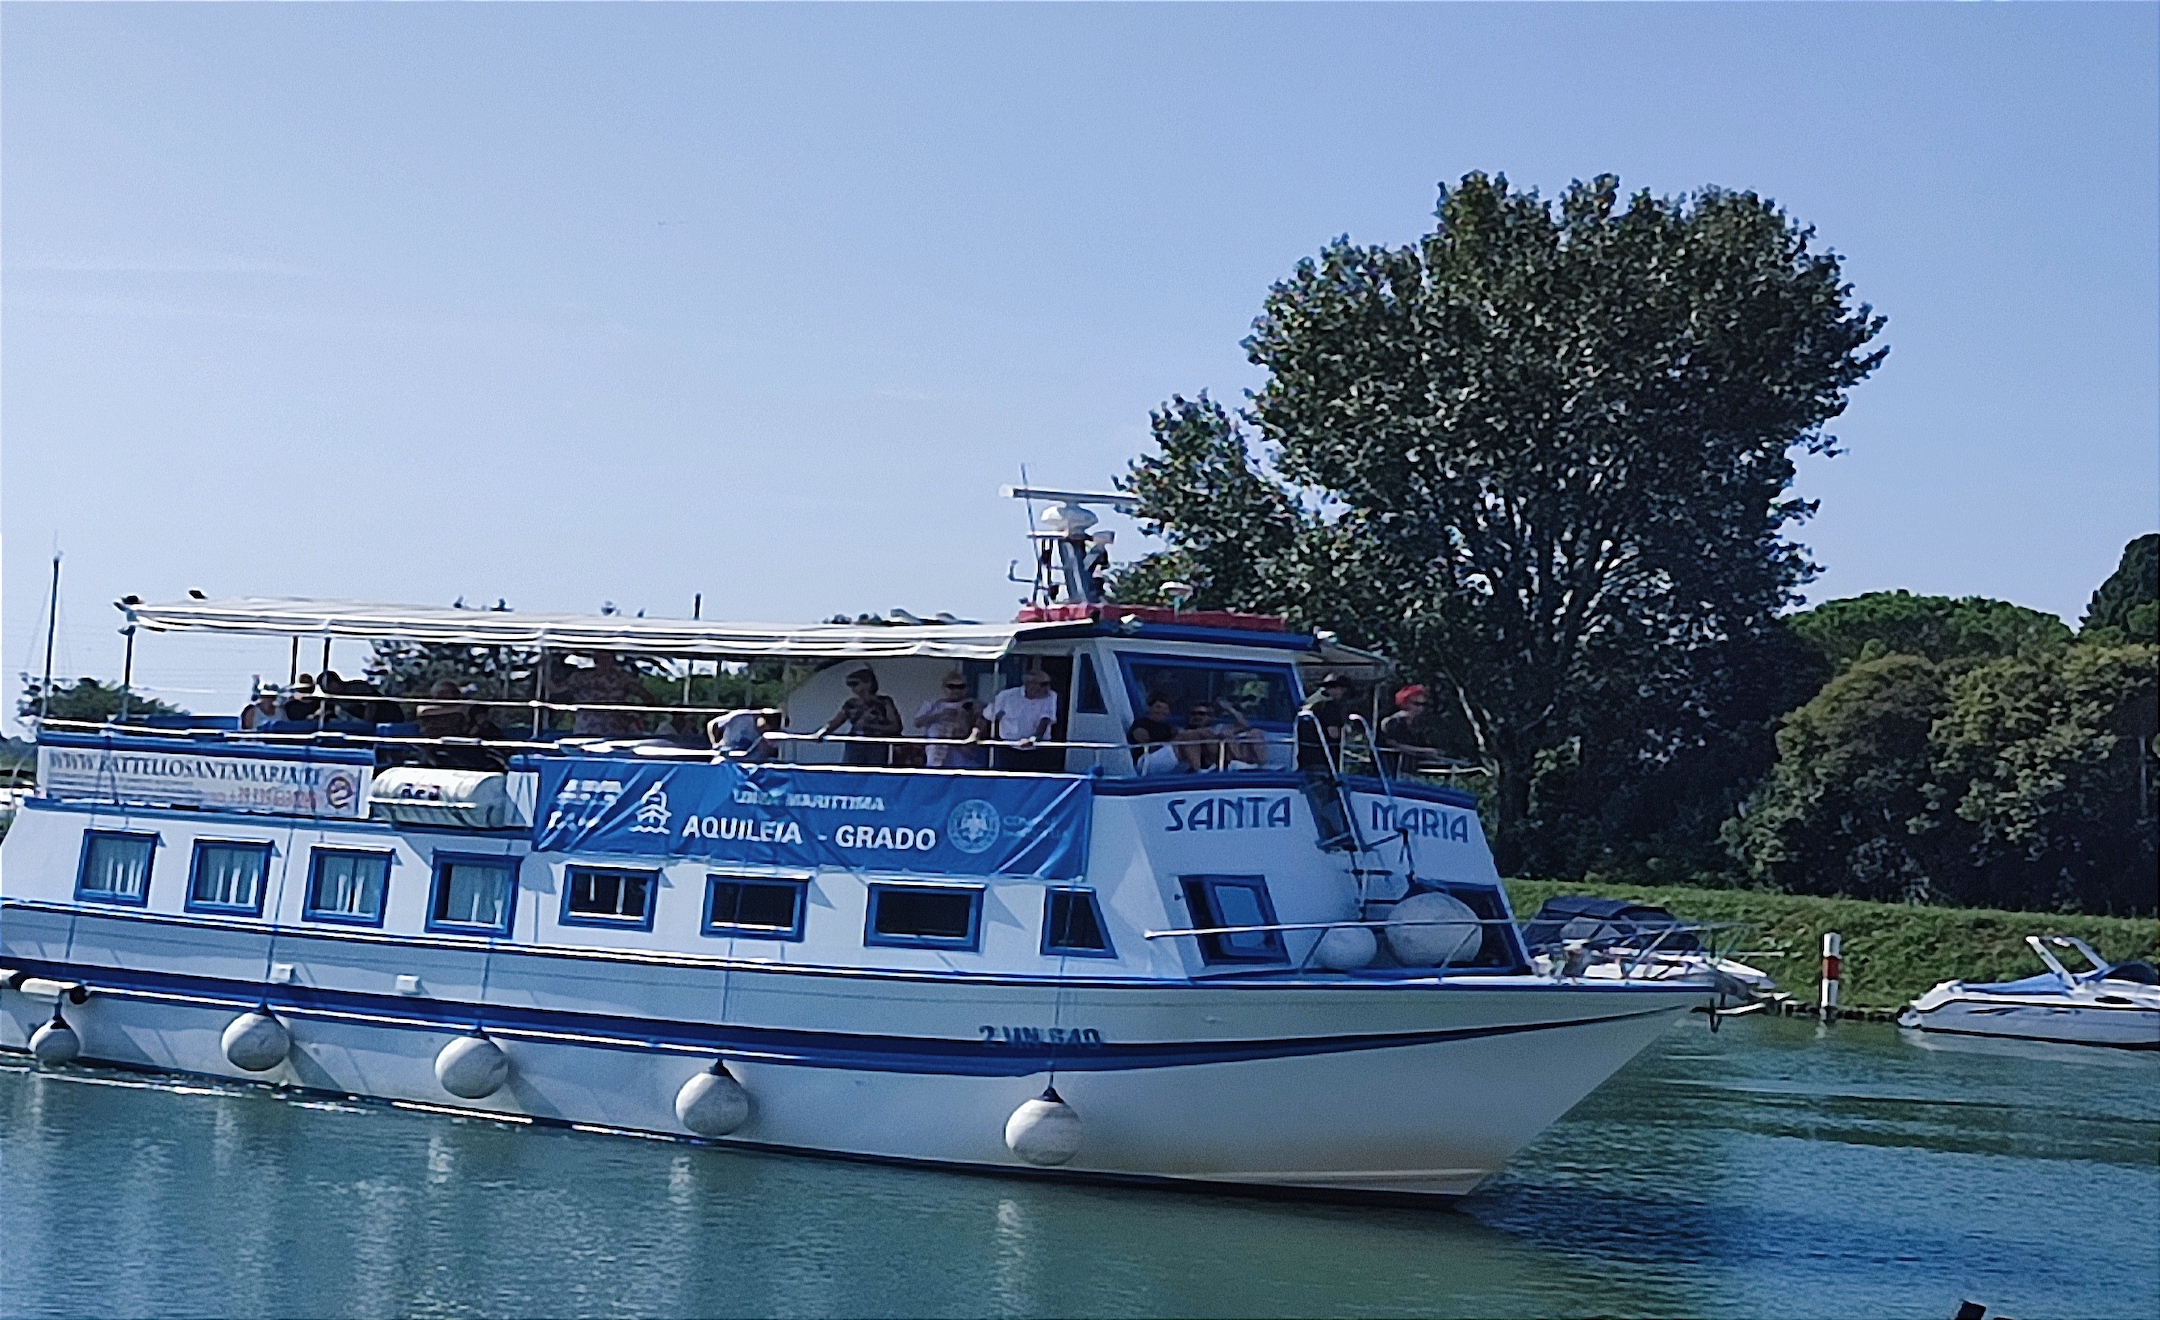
(472, 1067)
(1347, 947)
(1044, 1130)
(55, 1043)
(1417, 936)
(256, 1041)
(713, 1103)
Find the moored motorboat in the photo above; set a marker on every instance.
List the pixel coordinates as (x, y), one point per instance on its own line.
(1582, 936)
(2112, 1004)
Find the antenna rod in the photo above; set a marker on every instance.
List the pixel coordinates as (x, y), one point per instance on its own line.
(127, 672)
(52, 623)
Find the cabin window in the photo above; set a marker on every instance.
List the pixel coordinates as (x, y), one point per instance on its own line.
(473, 895)
(1087, 692)
(1216, 901)
(228, 877)
(1072, 923)
(115, 867)
(1265, 694)
(348, 886)
(925, 916)
(604, 896)
(760, 907)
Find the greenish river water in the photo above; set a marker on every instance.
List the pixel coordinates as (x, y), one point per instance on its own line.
(1773, 1169)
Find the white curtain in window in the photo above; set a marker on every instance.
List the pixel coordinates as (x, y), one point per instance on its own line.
(228, 877)
(350, 886)
(473, 894)
(118, 866)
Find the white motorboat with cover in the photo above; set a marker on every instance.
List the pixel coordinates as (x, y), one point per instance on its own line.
(1581, 935)
(2116, 1004)
(1295, 975)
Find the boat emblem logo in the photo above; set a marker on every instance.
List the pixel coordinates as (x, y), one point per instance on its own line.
(973, 826)
(339, 791)
(652, 812)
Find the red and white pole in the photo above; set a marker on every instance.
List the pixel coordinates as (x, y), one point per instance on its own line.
(1833, 972)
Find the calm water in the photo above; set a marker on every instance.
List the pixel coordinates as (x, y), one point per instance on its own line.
(1774, 1169)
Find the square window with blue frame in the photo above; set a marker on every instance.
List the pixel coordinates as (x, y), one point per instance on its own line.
(758, 907)
(925, 917)
(474, 894)
(1073, 924)
(1219, 901)
(609, 896)
(347, 885)
(115, 867)
(229, 876)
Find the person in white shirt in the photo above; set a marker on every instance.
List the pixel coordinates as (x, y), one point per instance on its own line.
(1023, 715)
(949, 718)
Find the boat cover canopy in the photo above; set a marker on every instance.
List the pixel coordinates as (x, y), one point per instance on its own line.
(1603, 921)
(258, 616)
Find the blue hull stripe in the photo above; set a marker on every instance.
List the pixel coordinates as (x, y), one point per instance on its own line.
(816, 1049)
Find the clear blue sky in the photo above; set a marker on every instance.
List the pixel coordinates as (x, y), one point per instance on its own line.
(568, 304)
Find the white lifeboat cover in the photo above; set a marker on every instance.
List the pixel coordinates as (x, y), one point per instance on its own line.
(468, 799)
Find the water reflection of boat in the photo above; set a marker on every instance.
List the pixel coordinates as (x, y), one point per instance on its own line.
(1578, 936)
(2116, 1004)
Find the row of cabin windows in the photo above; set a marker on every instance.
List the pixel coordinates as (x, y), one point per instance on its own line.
(476, 895)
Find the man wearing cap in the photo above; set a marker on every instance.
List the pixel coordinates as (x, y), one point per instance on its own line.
(1329, 708)
(1403, 736)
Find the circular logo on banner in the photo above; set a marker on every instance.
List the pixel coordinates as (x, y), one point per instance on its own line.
(339, 791)
(973, 826)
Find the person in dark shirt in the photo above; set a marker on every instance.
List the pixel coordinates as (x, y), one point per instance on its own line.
(1330, 711)
(1151, 735)
(1403, 738)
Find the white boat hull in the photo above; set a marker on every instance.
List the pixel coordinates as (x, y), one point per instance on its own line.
(2123, 1026)
(1249, 1085)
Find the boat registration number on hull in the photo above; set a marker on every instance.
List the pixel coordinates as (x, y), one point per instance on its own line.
(1084, 1037)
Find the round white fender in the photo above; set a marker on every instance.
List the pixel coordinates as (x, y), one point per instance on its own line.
(713, 1103)
(472, 1067)
(55, 1042)
(256, 1041)
(1044, 1130)
(1347, 947)
(1417, 939)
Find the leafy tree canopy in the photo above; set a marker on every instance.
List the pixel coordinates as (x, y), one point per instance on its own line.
(1539, 456)
(88, 700)
(1936, 627)
(2129, 600)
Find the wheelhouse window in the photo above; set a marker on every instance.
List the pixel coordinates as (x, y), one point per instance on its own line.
(473, 895)
(925, 916)
(228, 877)
(606, 896)
(1266, 695)
(758, 907)
(1073, 924)
(347, 885)
(1087, 692)
(115, 867)
(1218, 901)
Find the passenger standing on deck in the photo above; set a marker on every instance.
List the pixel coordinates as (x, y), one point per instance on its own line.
(260, 711)
(1403, 736)
(867, 713)
(301, 703)
(950, 715)
(607, 683)
(1329, 708)
(1024, 715)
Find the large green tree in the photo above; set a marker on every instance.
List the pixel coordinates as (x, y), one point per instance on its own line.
(87, 700)
(2129, 601)
(1943, 630)
(1541, 456)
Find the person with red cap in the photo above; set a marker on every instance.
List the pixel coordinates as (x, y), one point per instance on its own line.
(1403, 735)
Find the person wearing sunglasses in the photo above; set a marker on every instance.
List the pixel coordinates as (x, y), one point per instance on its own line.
(867, 713)
(949, 715)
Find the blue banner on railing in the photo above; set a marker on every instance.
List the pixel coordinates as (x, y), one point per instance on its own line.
(940, 823)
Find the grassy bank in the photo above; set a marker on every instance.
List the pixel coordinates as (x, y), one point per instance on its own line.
(1893, 951)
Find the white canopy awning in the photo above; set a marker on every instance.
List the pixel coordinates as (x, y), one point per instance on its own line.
(258, 616)
(252, 616)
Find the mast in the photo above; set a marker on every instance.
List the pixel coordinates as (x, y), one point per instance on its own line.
(52, 623)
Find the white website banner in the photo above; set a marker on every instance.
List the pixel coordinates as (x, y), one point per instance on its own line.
(210, 783)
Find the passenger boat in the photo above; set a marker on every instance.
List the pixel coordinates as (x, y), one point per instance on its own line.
(2116, 1004)
(1293, 978)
